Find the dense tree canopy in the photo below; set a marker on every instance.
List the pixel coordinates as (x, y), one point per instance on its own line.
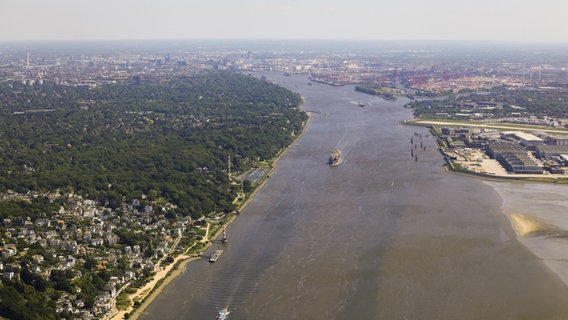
(167, 137)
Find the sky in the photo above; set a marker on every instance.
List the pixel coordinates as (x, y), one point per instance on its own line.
(485, 20)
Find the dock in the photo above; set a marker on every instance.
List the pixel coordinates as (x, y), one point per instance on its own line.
(215, 255)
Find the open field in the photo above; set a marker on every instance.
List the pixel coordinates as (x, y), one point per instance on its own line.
(488, 125)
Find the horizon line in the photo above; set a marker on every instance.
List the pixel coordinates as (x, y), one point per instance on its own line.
(366, 40)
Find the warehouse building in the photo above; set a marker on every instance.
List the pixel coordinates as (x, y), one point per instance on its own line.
(513, 157)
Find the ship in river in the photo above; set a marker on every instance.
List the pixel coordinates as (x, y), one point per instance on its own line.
(335, 157)
(223, 314)
(215, 255)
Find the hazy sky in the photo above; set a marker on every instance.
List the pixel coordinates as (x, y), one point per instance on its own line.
(511, 20)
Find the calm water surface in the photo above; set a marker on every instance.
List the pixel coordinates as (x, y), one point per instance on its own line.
(381, 236)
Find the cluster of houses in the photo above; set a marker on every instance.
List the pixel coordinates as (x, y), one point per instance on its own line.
(79, 229)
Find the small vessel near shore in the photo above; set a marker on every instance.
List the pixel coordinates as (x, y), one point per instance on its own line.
(215, 255)
(223, 314)
(335, 157)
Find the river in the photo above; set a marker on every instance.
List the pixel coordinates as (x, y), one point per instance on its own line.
(381, 236)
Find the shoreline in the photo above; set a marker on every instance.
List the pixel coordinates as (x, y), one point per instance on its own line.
(449, 165)
(160, 281)
(498, 178)
(536, 232)
(540, 232)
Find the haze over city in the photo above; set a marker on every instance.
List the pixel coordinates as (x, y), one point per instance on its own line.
(503, 20)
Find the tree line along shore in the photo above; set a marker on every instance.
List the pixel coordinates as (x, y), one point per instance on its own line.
(103, 191)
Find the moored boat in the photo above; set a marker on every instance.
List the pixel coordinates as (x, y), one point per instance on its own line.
(215, 255)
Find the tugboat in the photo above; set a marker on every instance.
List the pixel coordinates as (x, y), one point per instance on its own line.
(223, 314)
(335, 157)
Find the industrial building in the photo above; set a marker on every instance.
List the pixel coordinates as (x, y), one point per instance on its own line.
(496, 148)
(513, 157)
(556, 140)
(526, 139)
(553, 152)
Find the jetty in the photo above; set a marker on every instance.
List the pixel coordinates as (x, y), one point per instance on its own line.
(215, 255)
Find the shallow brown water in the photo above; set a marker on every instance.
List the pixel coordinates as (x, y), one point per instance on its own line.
(381, 236)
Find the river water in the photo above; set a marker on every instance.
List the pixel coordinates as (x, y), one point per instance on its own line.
(381, 236)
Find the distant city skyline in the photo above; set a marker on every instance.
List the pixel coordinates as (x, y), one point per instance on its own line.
(485, 20)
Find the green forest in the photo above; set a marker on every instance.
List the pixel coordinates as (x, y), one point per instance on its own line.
(165, 138)
(384, 91)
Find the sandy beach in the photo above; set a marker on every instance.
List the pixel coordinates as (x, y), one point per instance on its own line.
(537, 213)
(148, 293)
(546, 241)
